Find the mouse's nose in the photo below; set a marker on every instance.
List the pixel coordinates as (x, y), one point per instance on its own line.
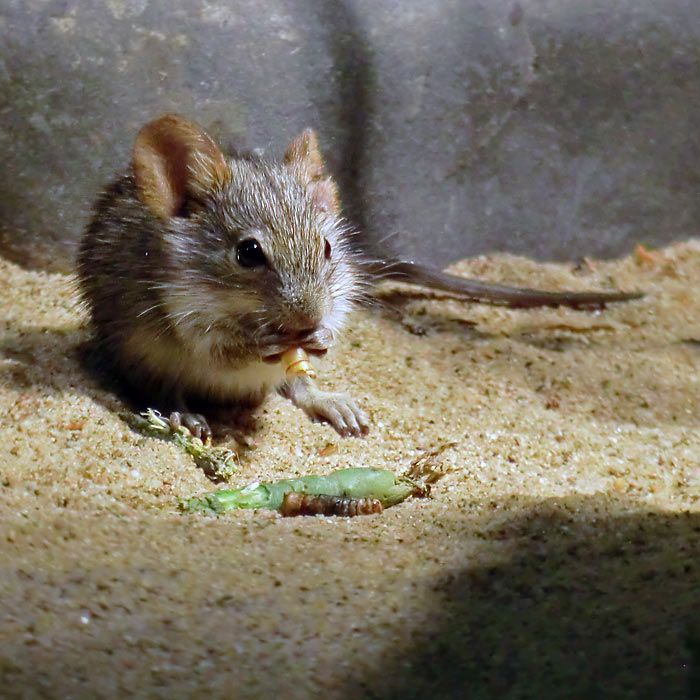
(302, 320)
(317, 338)
(304, 333)
(296, 331)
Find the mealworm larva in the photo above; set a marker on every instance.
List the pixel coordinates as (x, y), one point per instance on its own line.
(296, 362)
(296, 503)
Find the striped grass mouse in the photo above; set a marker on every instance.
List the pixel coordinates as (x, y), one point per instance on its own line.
(200, 270)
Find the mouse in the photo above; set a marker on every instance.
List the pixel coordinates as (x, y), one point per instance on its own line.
(200, 269)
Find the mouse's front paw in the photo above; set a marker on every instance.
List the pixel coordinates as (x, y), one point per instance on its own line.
(339, 410)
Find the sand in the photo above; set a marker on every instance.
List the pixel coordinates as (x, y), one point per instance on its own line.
(557, 557)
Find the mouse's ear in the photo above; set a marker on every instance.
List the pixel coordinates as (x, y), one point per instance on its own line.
(174, 157)
(303, 156)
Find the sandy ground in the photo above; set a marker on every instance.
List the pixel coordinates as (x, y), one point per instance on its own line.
(558, 557)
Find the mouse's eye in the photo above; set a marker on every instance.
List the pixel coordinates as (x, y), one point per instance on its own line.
(249, 253)
(327, 250)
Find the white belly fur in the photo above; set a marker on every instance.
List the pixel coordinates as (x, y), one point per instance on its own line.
(222, 383)
(197, 373)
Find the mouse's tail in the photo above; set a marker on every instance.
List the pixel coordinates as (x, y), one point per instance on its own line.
(488, 292)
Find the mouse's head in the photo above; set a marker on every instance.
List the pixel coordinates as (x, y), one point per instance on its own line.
(256, 255)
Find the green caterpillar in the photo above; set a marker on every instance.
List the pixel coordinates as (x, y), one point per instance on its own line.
(356, 483)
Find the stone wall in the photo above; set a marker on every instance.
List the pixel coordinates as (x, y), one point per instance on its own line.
(555, 128)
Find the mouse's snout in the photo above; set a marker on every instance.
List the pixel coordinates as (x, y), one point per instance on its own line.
(303, 308)
(316, 337)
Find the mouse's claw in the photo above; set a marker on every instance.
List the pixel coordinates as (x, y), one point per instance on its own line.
(196, 423)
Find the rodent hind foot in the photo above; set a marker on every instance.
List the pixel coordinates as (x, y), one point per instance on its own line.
(196, 423)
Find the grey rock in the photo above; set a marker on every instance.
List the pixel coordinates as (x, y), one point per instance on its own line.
(555, 128)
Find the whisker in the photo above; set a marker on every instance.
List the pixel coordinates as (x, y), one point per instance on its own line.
(150, 308)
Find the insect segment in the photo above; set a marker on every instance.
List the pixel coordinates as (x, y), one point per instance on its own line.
(296, 362)
(296, 503)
